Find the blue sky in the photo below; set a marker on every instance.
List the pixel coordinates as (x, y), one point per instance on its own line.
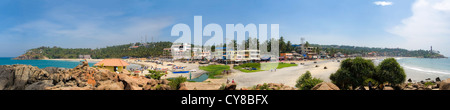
(410, 24)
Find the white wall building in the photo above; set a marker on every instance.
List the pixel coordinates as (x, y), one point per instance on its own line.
(181, 51)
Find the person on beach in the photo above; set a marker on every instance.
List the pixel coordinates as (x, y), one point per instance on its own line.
(232, 81)
(228, 80)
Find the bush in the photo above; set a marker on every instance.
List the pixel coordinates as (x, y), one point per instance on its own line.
(155, 74)
(306, 82)
(428, 84)
(175, 83)
(302, 79)
(374, 82)
(390, 71)
(353, 72)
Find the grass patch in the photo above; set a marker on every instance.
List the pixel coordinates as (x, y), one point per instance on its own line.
(284, 65)
(261, 67)
(214, 70)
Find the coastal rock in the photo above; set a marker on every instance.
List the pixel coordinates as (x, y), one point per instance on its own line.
(41, 85)
(54, 69)
(325, 86)
(183, 87)
(445, 85)
(16, 77)
(231, 86)
(82, 77)
(110, 85)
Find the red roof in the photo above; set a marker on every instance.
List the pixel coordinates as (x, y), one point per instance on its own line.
(112, 62)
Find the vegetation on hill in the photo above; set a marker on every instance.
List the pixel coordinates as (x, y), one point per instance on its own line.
(155, 49)
(140, 50)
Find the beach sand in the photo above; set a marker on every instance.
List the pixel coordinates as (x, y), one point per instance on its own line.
(189, 66)
(288, 76)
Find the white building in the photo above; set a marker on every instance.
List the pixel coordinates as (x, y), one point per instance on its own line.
(200, 53)
(181, 51)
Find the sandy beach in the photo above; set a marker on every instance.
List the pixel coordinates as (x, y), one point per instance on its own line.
(188, 67)
(288, 75)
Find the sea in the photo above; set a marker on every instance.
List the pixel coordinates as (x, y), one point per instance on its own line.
(420, 69)
(49, 63)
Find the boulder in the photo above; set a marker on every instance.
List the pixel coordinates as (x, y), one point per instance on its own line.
(82, 77)
(325, 86)
(183, 87)
(445, 85)
(231, 86)
(110, 85)
(41, 85)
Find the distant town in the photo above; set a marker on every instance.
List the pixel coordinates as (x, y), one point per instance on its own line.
(178, 51)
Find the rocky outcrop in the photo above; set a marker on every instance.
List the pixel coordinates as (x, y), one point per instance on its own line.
(444, 85)
(231, 86)
(82, 77)
(17, 77)
(325, 86)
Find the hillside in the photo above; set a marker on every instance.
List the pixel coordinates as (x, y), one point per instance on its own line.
(395, 52)
(153, 49)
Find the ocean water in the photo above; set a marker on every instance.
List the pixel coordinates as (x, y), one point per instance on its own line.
(419, 69)
(52, 63)
(42, 63)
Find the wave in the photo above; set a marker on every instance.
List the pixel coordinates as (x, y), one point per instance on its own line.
(426, 70)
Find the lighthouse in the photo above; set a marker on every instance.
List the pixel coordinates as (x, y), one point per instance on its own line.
(431, 49)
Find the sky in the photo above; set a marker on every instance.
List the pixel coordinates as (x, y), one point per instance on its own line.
(409, 24)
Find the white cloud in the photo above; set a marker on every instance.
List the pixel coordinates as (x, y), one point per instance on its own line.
(383, 3)
(429, 25)
(72, 27)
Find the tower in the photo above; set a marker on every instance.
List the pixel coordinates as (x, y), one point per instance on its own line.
(431, 49)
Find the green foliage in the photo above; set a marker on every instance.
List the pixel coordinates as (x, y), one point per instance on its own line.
(284, 65)
(155, 74)
(214, 69)
(303, 78)
(258, 66)
(390, 71)
(175, 83)
(428, 84)
(306, 81)
(248, 65)
(353, 72)
(332, 49)
(153, 49)
(374, 82)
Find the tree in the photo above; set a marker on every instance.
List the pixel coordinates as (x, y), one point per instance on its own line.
(289, 48)
(390, 71)
(282, 45)
(175, 83)
(306, 82)
(353, 72)
(307, 44)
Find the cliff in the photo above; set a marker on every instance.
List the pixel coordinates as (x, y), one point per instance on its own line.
(82, 77)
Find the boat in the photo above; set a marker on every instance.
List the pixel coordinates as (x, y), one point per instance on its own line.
(180, 72)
